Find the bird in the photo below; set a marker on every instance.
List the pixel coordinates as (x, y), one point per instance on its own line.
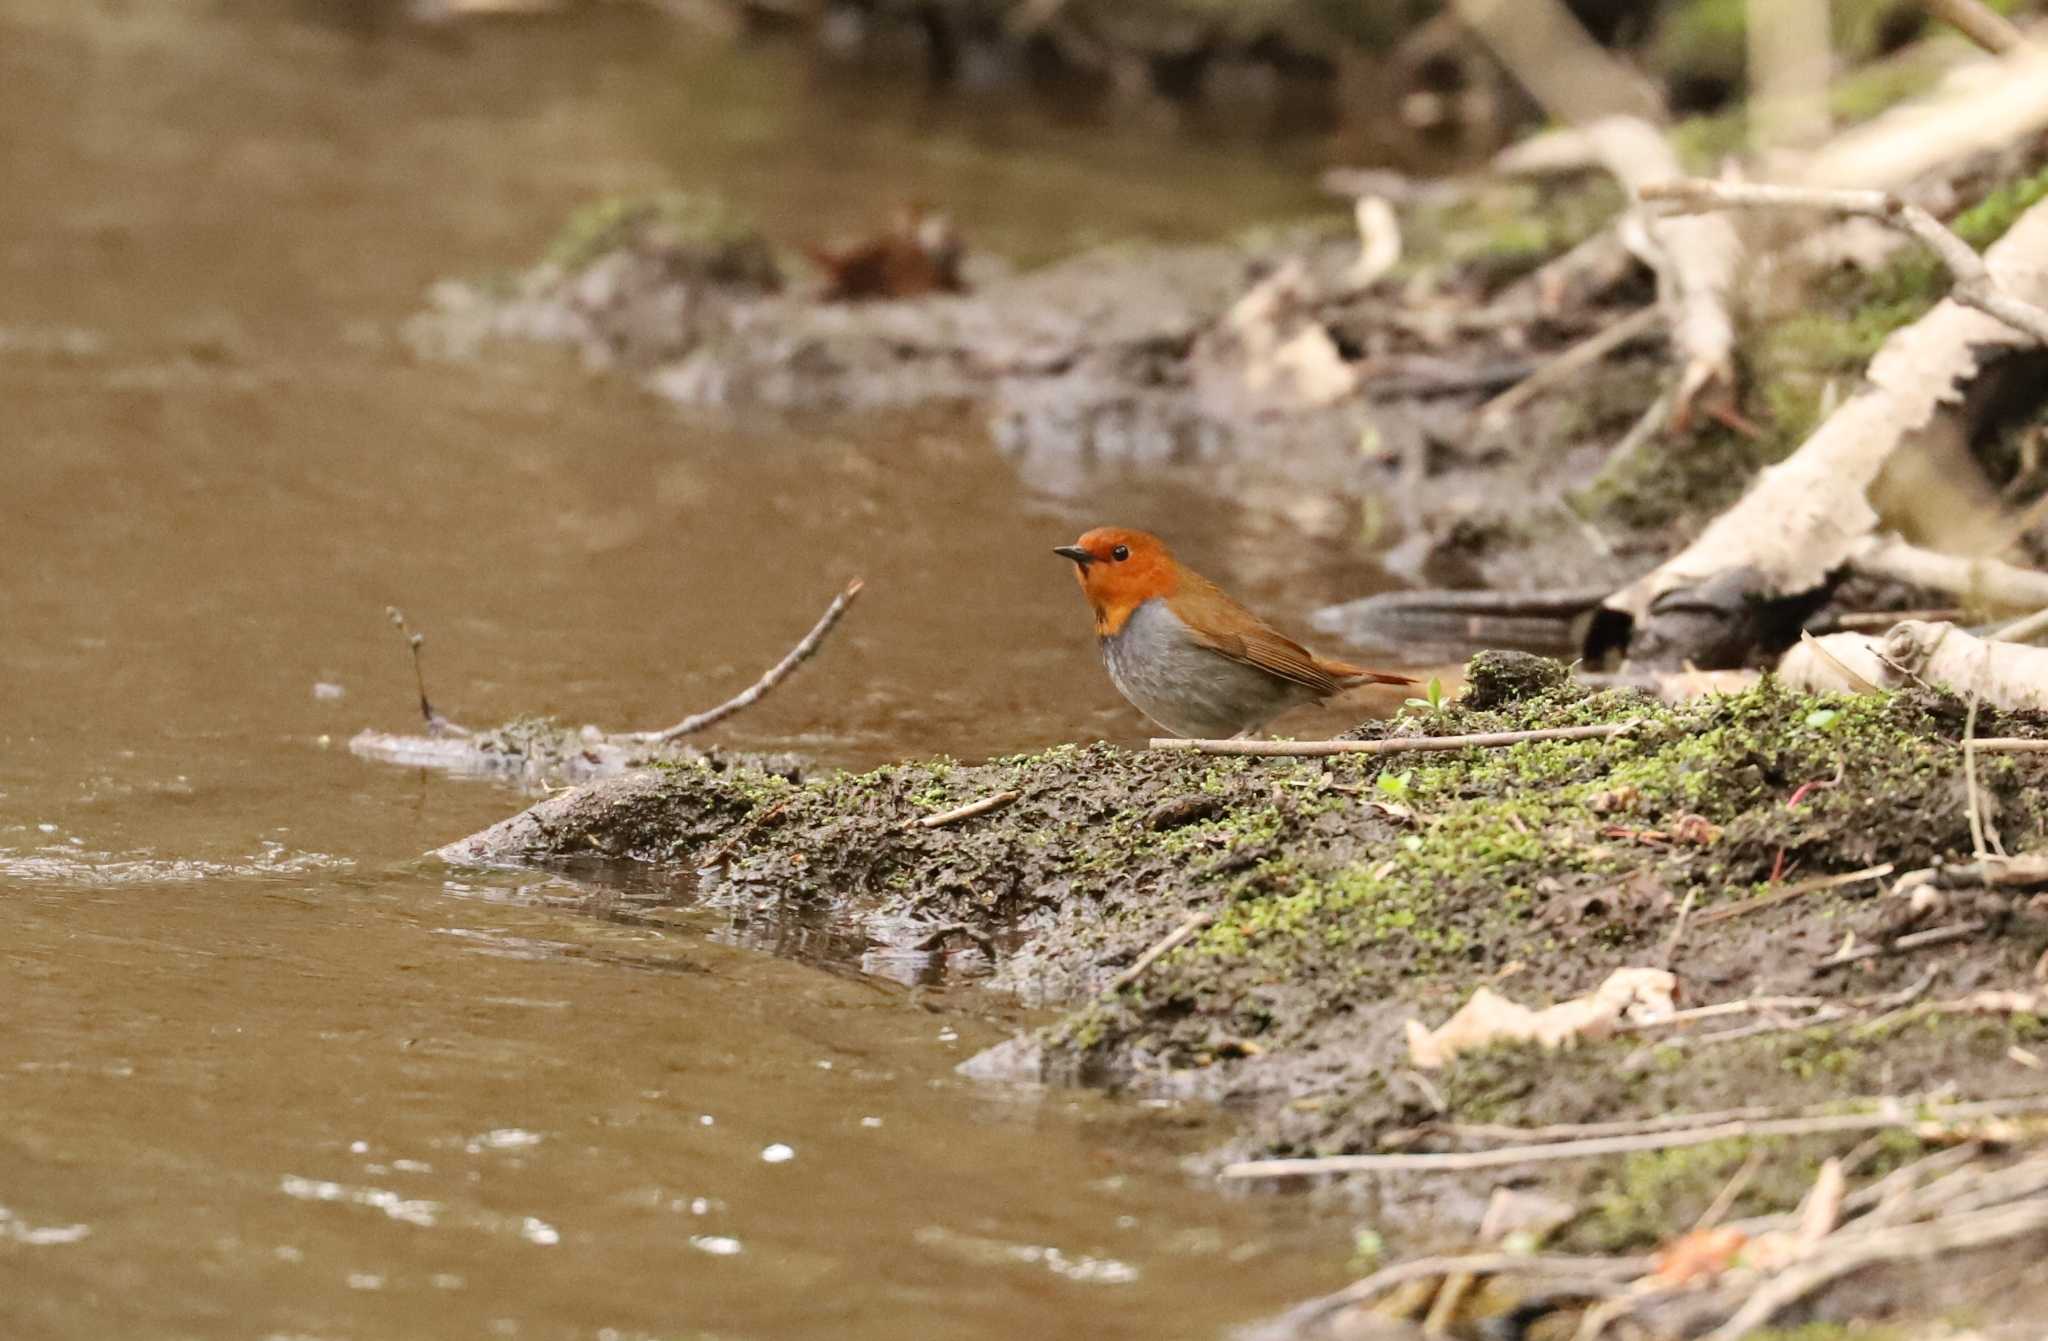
(1187, 655)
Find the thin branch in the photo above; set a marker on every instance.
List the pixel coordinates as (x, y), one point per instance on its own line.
(1722, 1009)
(1569, 364)
(1846, 1252)
(1794, 891)
(1919, 940)
(795, 657)
(1677, 937)
(437, 725)
(1597, 1275)
(1986, 27)
(1172, 941)
(2009, 745)
(968, 811)
(744, 831)
(1974, 284)
(1315, 749)
(1511, 1156)
(1975, 797)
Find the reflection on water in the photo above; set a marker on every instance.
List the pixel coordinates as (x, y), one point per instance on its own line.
(266, 1071)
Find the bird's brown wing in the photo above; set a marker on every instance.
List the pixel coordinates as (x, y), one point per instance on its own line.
(1258, 643)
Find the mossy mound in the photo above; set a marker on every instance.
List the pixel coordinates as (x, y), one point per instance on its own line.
(1350, 894)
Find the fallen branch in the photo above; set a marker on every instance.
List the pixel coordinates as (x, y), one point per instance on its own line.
(1973, 283)
(1919, 940)
(1794, 891)
(2010, 676)
(754, 692)
(1567, 365)
(1846, 1252)
(968, 811)
(1316, 749)
(719, 853)
(1803, 519)
(1172, 941)
(1986, 27)
(1597, 1147)
(1590, 1275)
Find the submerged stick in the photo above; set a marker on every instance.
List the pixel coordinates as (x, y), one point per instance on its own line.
(1315, 749)
(968, 811)
(754, 692)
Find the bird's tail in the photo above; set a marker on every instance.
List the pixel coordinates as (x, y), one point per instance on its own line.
(1349, 676)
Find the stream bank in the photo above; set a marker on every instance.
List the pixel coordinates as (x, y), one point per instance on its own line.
(1347, 896)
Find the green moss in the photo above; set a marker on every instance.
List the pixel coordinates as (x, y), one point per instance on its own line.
(1655, 1189)
(700, 224)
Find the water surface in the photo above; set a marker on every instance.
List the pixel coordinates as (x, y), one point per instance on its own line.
(266, 1071)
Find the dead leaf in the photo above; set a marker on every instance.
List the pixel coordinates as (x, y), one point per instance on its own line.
(1640, 995)
(1697, 1257)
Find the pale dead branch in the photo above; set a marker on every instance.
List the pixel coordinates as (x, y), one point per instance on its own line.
(1931, 1121)
(963, 812)
(1986, 27)
(1805, 518)
(753, 693)
(1973, 283)
(1166, 945)
(1316, 749)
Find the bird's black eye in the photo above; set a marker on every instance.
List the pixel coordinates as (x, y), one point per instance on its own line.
(1120, 553)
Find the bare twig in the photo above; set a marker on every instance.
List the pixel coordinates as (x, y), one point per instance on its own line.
(1167, 944)
(746, 830)
(968, 811)
(1596, 1147)
(437, 725)
(1315, 749)
(1975, 798)
(1592, 1275)
(1986, 27)
(2023, 629)
(1919, 940)
(1794, 891)
(2010, 745)
(1851, 1251)
(1974, 285)
(1678, 927)
(1983, 579)
(1568, 364)
(1879, 620)
(752, 694)
(1722, 1009)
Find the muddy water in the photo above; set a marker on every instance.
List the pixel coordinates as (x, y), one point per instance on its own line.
(264, 1072)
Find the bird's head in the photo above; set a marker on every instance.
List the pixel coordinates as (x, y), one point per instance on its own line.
(1119, 570)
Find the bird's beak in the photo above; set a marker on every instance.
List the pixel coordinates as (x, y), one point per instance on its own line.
(1074, 552)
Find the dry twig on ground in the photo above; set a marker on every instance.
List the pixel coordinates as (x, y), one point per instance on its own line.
(1316, 749)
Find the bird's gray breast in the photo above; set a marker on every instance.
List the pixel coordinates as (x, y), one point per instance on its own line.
(1189, 689)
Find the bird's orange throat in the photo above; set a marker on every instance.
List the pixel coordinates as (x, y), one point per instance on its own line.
(1115, 589)
(1110, 618)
